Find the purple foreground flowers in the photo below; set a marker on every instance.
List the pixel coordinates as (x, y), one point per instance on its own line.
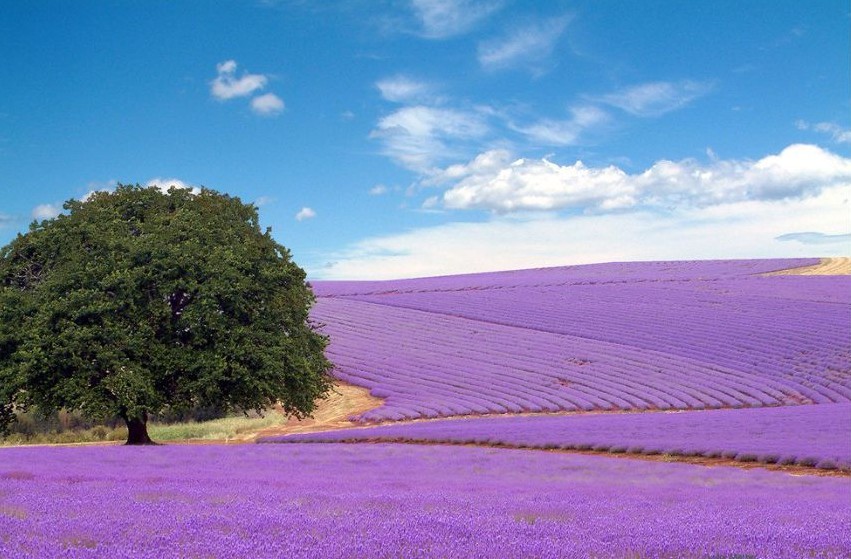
(664, 335)
(804, 435)
(355, 501)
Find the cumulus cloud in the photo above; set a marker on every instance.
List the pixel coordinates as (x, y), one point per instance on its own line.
(743, 229)
(305, 213)
(402, 89)
(529, 45)
(566, 132)
(227, 85)
(440, 19)
(497, 181)
(418, 136)
(267, 104)
(837, 133)
(46, 211)
(656, 98)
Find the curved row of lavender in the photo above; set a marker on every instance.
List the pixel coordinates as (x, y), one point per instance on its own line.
(817, 436)
(634, 336)
(350, 501)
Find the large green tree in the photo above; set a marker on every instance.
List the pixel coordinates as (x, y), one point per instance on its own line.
(138, 301)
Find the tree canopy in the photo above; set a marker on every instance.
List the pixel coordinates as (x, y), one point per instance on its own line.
(138, 301)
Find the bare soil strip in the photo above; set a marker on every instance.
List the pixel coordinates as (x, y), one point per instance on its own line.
(839, 266)
(332, 413)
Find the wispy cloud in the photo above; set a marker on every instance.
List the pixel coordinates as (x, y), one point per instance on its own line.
(814, 238)
(378, 190)
(837, 133)
(403, 89)
(305, 213)
(46, 211)
(6, 220)
(419, 136)
(565, 132)
(440, 19)
(227, 85)
(526, 47)
(267, 104)
(656, 98)
(496, 181)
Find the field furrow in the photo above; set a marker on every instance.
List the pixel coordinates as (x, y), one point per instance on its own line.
(629, 337)
(813, 436)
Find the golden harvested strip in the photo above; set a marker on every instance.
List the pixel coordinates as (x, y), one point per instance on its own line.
(839, 266)
(345, 401)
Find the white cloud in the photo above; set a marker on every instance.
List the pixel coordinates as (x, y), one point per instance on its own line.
(162, 184)
(657, 98)
(837, 133)
(378, 190)
(418, 136)
(165, 184)
(527, 45)
(85, 197)
(498, 182)
(441, 19)
(748, 229)
(402, 89)
(46, 211)
(227, 86)
(267, 104)
(305, 213)
(566, 132)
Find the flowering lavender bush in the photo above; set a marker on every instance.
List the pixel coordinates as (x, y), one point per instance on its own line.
(664, 335)
(354, 501)
(804, 435)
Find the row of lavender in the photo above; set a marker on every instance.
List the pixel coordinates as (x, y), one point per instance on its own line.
(429, 365)
(734, 323)
(638, 336)
(350, 501)
(818, 436)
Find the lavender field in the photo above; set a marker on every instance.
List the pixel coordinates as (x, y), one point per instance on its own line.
(815, 436)
(635, 336)
(711, 359)
(354, 501)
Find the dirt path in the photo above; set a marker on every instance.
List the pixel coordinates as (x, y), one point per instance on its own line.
(839, 266)
(346, 400)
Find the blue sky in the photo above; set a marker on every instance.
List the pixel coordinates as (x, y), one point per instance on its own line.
(423, 137)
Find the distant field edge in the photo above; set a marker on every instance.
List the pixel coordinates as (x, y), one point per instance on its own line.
(836, 266)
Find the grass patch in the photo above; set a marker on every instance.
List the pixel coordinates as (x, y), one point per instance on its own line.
(99, 433)
(225, 428)
(216, 429)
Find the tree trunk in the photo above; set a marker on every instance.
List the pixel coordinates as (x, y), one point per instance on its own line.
(137, 430)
